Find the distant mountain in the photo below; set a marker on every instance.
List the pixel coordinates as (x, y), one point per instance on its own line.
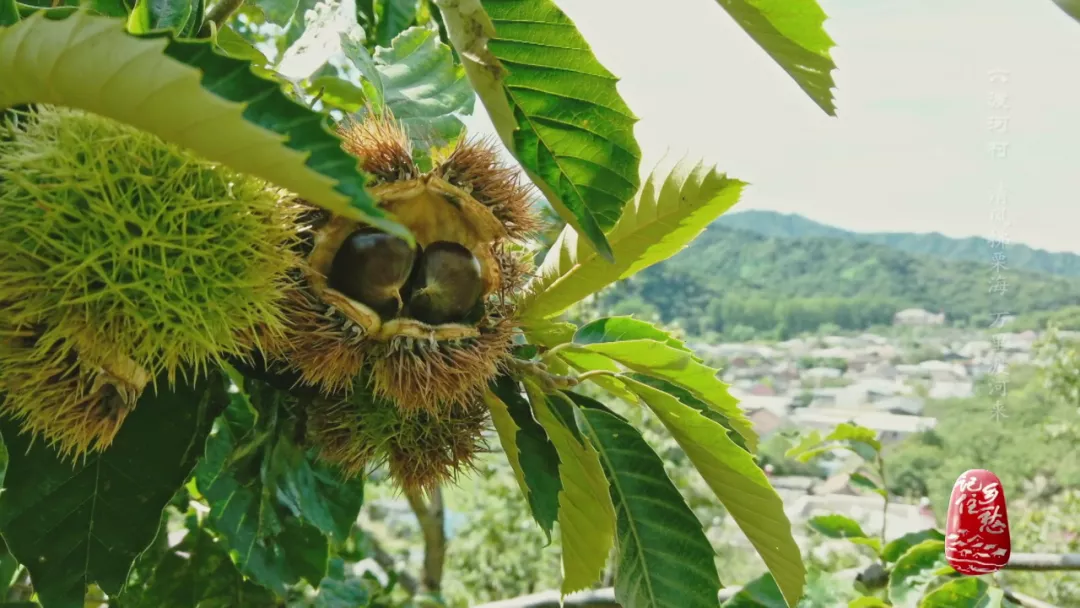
(934, 244)
(730, 277)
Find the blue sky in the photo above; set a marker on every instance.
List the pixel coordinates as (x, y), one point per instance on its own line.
(909, 149)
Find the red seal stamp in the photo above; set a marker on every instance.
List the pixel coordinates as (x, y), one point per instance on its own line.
(977, 533)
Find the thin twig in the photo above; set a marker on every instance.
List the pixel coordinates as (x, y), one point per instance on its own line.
(218, 15)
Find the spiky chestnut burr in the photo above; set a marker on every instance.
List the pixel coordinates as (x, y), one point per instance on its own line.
(117, 247)
(456, 329)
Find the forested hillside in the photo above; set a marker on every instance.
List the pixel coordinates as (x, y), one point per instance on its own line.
(729, 278)
(1020, 257)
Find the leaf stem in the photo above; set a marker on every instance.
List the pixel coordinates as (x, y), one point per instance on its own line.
(219, 15)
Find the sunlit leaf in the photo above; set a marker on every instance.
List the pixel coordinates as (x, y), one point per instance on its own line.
(554, 105)
(914, 571)
(672, 209)
(968, 592)
(73, 524)
(737, 481)
(664, 557)
(618, 329)
(586, 513)
(761, 592)
(683, 369)
(187, 94)
(897, 547)
(792, 33)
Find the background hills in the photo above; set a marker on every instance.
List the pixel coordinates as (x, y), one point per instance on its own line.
(760, 271)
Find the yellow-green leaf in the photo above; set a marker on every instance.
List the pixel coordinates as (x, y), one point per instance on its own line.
(670, 212)
(537, 460)
(680, 368)
(792, 32)
(586, 513)
(187, 94)
(737, 481)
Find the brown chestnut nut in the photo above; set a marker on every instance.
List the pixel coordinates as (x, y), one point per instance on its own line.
(447, 285)
(371, 267)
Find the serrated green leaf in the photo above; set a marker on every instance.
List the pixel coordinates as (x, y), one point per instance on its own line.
(664, 557)
(968, 592)
(531, 454)
(618, 329)
(868, 602)
(315, 492)
(586, 513)
(72, 524)
(392, 18)
(197, 572)
(187, 94)
(688, 398)
(239, 478)
(682, 369)
(897, 547)
(584, 361)
(914, 571)
(418, 81)
(737, 481)
(670, 212)
(554, 105)
(792, 33)
(761, 592)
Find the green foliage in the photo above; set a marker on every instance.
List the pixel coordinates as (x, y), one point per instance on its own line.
(417, 80)
(792, 33)
(671, 211)
(532, 455)
(297, 150)
(393, 17)
(76, 524)
(586, 511)
(736, 481)
(914, 571)
(554, 106)
(272, 505)
(786, 286)
(654, 524)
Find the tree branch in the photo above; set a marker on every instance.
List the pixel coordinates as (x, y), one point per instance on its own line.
(1038, 562)
(432, 519)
